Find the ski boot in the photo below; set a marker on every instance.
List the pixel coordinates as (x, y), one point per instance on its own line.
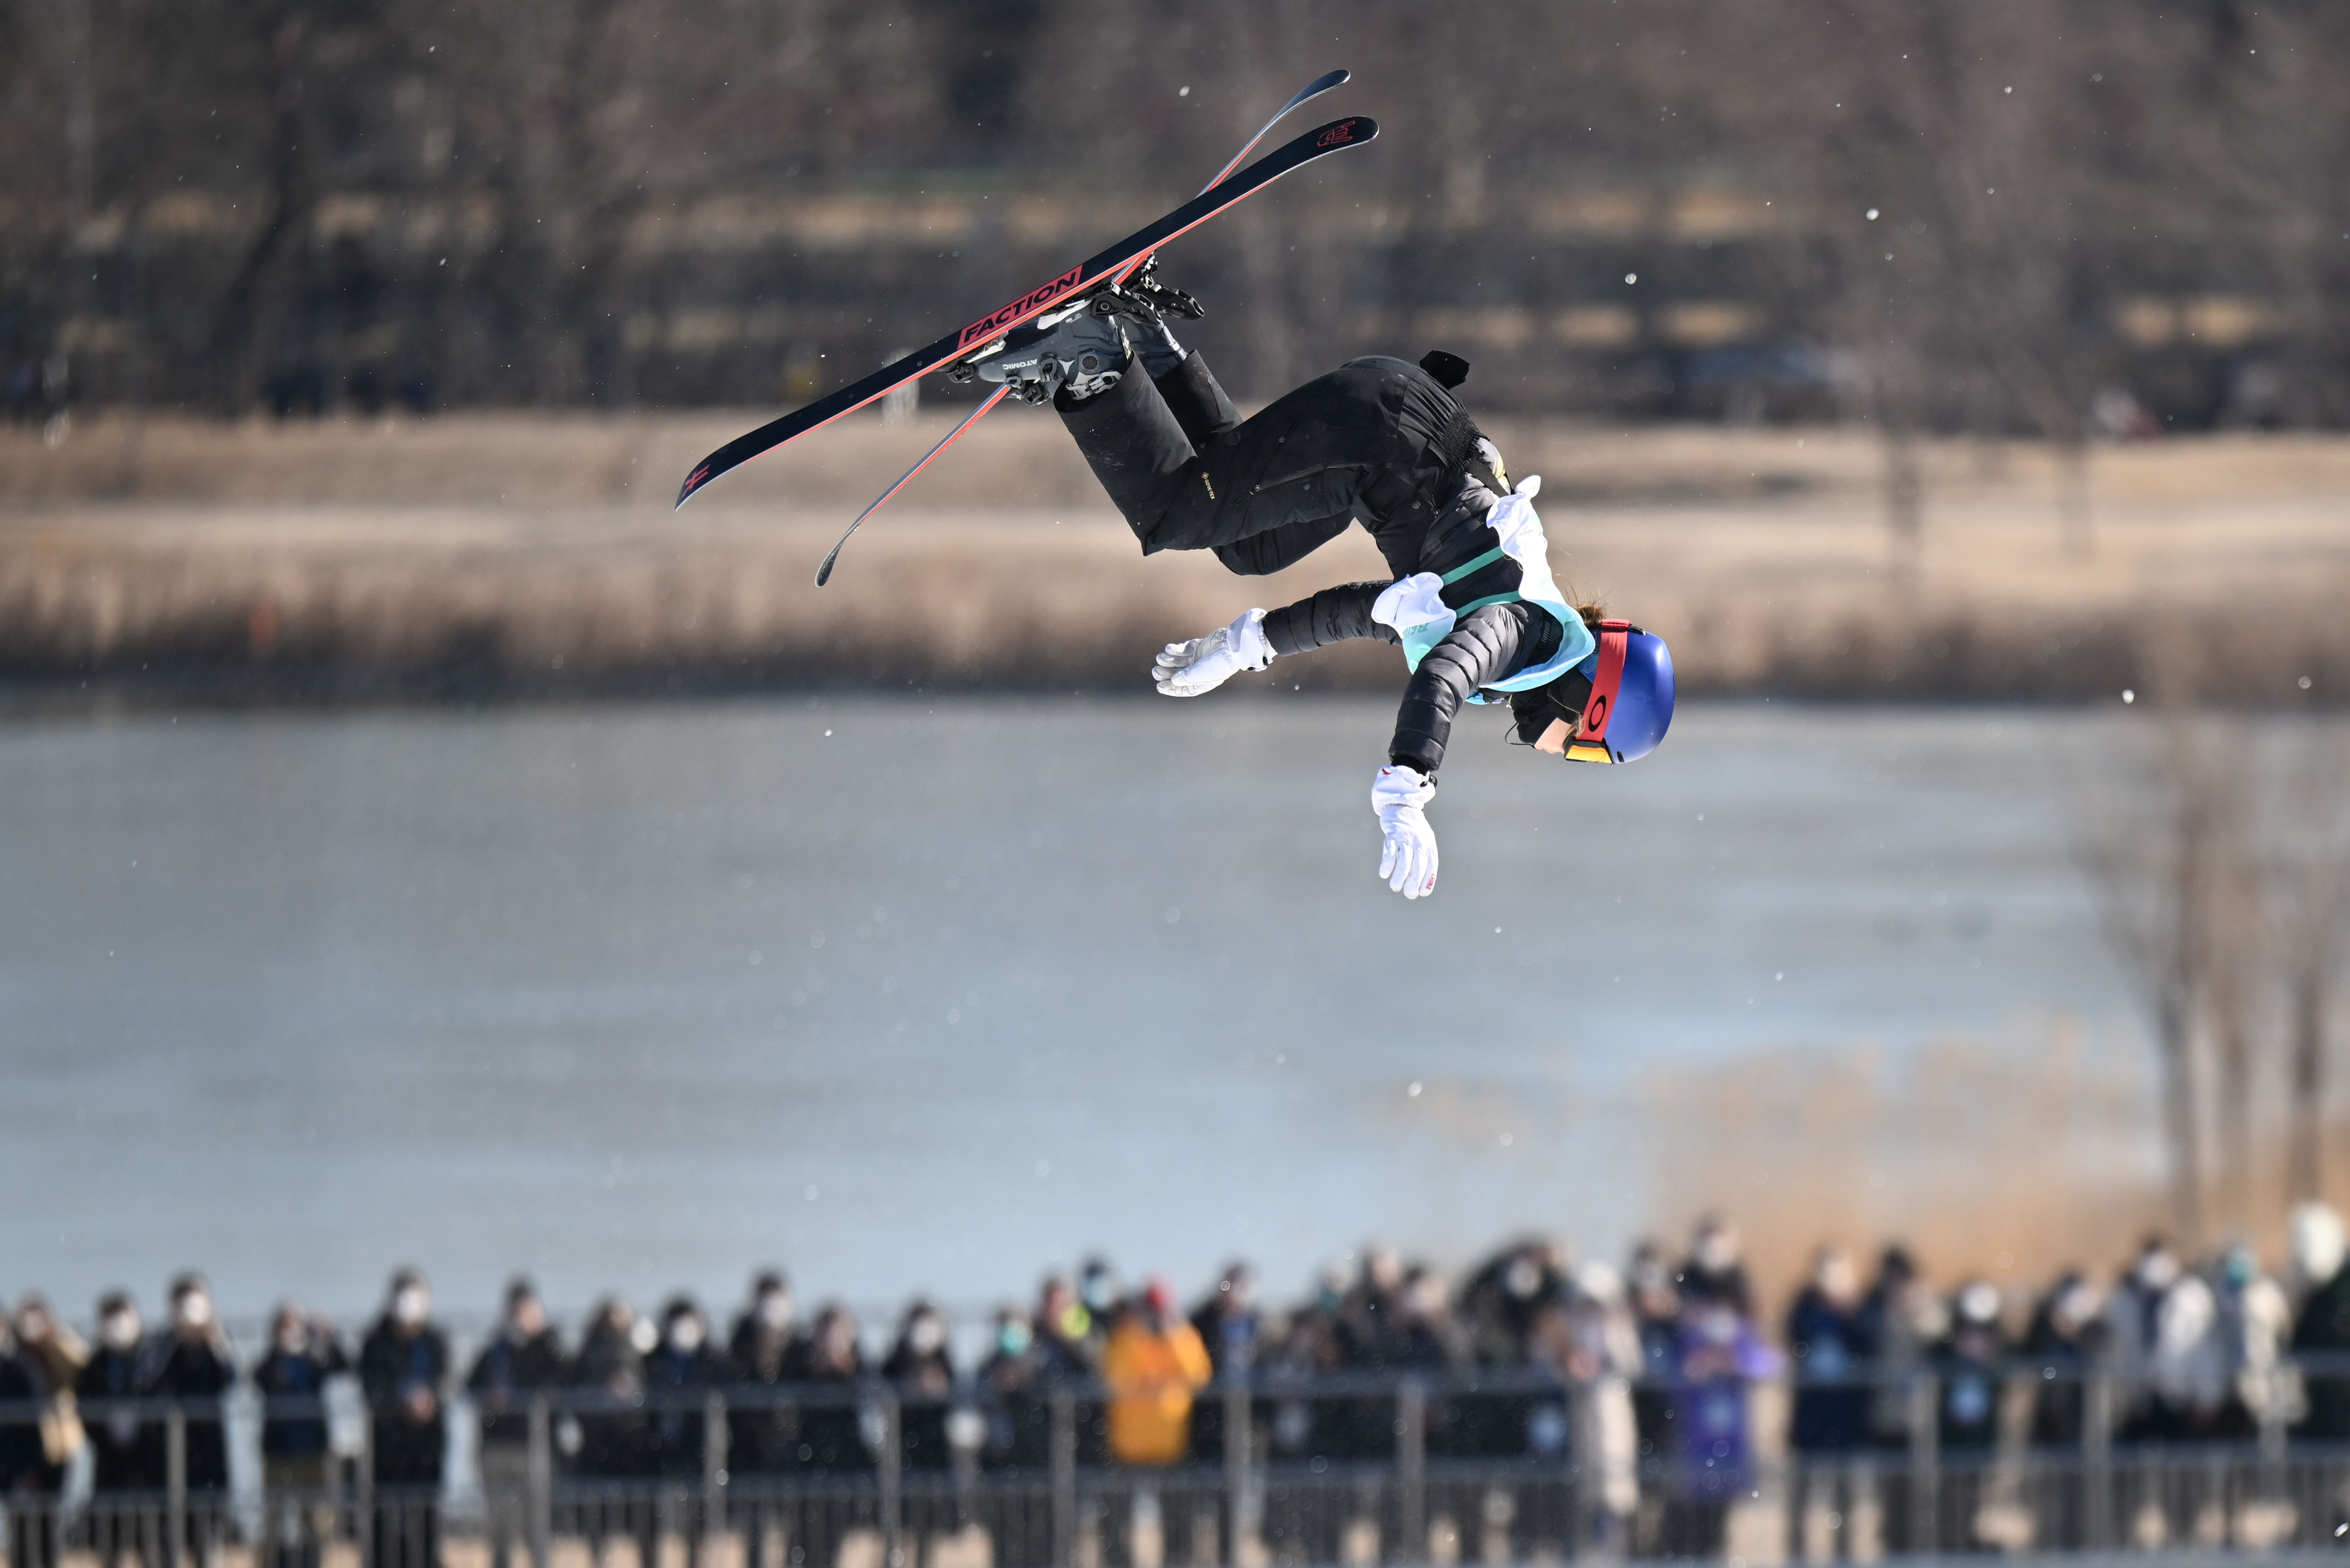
(1076, 347)
(1146, 304)
(1084, 347)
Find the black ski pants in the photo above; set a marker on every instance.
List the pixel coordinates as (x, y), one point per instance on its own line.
(1377, 438)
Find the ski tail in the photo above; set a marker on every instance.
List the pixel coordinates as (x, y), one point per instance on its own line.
(1355, 130)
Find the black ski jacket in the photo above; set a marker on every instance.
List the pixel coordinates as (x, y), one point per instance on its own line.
(1487, 645)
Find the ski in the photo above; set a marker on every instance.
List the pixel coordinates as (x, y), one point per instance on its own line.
(824, 572)
(1312, 90)
(982, 335)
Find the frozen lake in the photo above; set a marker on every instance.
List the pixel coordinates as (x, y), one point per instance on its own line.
(936, 993)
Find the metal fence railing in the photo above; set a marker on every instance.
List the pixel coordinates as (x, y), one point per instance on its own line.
(1359, 1469)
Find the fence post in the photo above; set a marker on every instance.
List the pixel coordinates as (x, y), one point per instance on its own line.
(893, 1549)
(539, 1481)
(1925, 1464)
(714, 1469)
(2097, 1456)
(175, 1483)
(1237, 1437)
(1584, 1466)
(1065, 1477)
(363, 1525)
(1411, 1471)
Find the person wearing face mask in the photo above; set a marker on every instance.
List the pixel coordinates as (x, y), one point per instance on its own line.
(297, 1472)
(38, 1367)
(403, 1366)
(2063, 1343)
(610, 1373)
(1071, 1330)
(918, 1365)
(1720, 1355)
(194, 1368)
(1969, 1363)
(833, 1438)
(522, 1362)
(678, 1370)
(127, 1452)
(2134, 1322)
(1715, 1269)
(1019, 1421)
(764, 1354)
(2321, 1261)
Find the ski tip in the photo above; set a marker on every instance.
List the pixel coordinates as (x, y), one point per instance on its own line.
(693, 482)
(1351, 131)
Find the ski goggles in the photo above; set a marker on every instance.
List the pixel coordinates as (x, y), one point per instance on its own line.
(1586, 739)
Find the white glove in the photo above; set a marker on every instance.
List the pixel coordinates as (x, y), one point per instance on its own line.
(1204, 663)
(1408, 859)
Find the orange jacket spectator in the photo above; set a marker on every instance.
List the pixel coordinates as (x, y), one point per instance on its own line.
(1154, 1365)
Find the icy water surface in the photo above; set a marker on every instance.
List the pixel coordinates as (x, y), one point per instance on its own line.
(905, 994)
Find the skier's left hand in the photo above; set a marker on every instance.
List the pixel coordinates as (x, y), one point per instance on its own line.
(1204, 663)
(1408, 847)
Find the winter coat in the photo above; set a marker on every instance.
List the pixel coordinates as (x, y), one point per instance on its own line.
(197, 1371)
(1153, 1374)
(2323, 1329)
(291, 1378)
(1968, 1366)
(1830, 1345)
(832, 1427)
(1486, 645)
(925, 1384)
(762, 1438)
(396, 1366)
(126, 1451)
(1019, 1416)
(1720, 1355)
(22, 1461)
(677, 1429)
(1231, 1336)
(611, 1370)
(508, 1373)
(2062, 1361)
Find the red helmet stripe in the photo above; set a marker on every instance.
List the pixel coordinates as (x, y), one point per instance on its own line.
(1615, 637)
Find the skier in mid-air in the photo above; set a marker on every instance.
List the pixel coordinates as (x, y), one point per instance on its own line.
(1473, 602)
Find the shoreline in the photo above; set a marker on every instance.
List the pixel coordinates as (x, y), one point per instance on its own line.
(504, 557)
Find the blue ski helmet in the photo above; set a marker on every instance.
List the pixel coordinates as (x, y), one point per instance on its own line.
(1613, 707)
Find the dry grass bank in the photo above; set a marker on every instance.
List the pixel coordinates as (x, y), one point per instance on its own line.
(2009, 1160)
(524, 551)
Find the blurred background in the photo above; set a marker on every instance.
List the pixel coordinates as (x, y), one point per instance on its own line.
(422, 848)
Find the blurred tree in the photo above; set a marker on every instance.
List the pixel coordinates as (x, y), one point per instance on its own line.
(604, 200)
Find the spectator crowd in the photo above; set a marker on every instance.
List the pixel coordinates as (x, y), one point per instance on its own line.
(1639, 1372)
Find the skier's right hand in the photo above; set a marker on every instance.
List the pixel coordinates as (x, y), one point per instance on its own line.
(1408, 843)
(1204, 663)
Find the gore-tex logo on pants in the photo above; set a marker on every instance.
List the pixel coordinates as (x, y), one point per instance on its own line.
(996, 320)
